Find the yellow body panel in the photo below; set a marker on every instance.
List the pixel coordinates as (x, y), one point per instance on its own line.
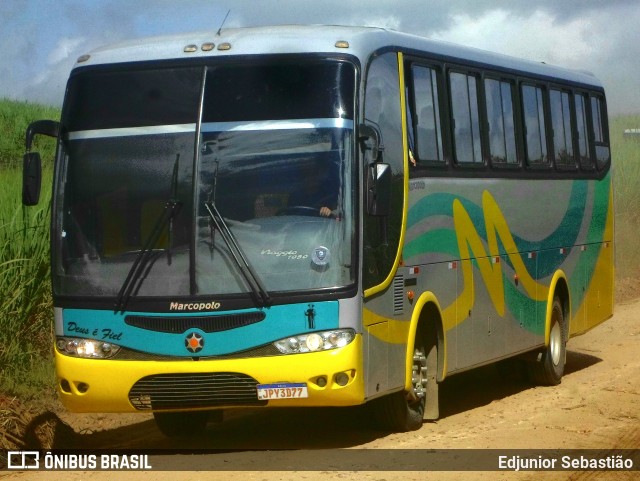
(109, 381)
(597, 305)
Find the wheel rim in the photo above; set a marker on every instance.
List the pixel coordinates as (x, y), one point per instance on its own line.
(419, 376)
(555, 343)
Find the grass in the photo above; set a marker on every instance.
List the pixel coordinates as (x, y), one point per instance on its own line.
(26, 314)
(626, 161)
(14, 119)
(26, 308)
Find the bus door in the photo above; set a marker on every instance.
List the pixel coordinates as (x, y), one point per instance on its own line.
(385, 354)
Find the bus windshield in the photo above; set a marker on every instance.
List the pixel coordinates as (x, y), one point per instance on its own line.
(184, 181)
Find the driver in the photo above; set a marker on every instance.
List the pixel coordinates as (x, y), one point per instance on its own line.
(317, 189)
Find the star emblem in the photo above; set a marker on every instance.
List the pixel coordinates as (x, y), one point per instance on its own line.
(194, 342)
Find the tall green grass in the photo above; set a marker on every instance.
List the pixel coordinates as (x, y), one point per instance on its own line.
(25, 303)
(14, 118)
(25, 307)
(625, 153)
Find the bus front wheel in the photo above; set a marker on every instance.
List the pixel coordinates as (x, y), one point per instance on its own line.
(402, 411)
(548, 369)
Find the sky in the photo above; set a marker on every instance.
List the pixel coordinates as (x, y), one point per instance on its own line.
(40, 40)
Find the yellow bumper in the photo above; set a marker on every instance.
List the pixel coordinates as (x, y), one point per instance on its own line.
(88, 385)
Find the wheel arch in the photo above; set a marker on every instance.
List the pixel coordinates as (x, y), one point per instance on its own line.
(559, 287)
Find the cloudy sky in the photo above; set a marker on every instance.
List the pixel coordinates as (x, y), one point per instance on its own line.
(40, 39)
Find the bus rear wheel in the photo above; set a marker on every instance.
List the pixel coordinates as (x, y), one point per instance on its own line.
(548, 369)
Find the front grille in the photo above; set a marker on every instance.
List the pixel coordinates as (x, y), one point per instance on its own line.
(178, 325)
(194, 390)
(125, 354)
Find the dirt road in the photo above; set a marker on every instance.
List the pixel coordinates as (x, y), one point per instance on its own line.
(596, 406)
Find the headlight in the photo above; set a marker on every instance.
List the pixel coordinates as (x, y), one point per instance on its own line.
(316, 341)
(86, 348)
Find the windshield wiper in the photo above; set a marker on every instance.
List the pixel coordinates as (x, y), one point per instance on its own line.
(171, 208)
(260, 294)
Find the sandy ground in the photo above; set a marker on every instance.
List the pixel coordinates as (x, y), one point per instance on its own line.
(597, 406)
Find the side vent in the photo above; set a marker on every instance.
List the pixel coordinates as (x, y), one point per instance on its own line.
(398, 295)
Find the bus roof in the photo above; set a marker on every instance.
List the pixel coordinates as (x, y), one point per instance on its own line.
(286, 39)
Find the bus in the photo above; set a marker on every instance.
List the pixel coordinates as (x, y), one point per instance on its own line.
(309, 216)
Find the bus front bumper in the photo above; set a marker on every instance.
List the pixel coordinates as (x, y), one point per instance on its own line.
(103, 385)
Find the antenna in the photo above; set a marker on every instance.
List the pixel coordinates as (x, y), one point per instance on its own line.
(222, 24)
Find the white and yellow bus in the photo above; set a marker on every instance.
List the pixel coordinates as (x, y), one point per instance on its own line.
(319, 216)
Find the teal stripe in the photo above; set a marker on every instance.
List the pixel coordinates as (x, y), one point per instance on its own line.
(439, 204)
(444, 241)
(281, 321)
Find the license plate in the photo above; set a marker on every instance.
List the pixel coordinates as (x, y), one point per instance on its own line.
(268, 392)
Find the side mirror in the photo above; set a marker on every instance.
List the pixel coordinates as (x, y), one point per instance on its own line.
(31, 178)
(31, 162)
(378, 189)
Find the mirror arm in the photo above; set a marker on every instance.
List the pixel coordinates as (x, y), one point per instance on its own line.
(50, 128)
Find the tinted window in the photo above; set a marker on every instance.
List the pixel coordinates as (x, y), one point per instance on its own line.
(132, 98)
(561, 124)
(600, 131)
(426, 115)
(466, 119)
(533, 107)
(281, 91)
(581, 131)
(502, 138)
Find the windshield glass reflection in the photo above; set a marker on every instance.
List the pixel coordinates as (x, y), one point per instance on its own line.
(270, 144)
(284, 194)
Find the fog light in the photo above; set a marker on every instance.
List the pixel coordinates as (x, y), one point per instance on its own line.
(342, 378)
(321, 381)
(64, 386)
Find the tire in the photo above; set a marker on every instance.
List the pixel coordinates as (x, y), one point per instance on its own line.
(182, 424)
(401, 411)
(548, 369)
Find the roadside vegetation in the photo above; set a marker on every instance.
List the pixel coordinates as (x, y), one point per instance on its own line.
(25, 305)
(26, 312)
(626, 160)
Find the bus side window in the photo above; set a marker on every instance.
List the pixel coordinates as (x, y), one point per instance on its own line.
(534, 123)
(599, 118)
(500, 115)
(582, 133)
(561, 128)
(466, 118)
(425, 114)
